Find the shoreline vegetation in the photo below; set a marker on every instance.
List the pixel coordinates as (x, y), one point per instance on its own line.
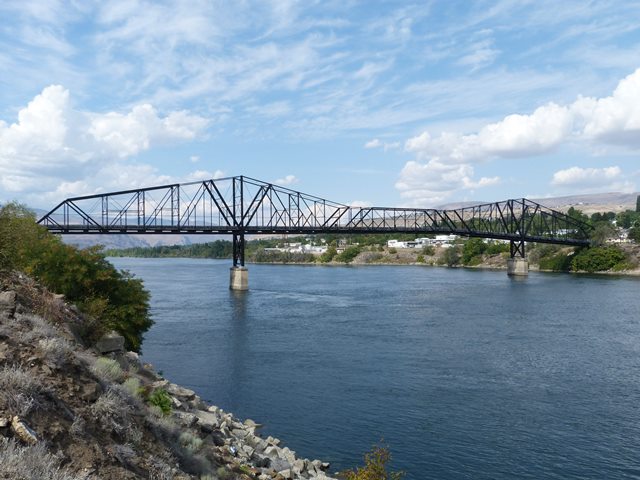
(622, 258)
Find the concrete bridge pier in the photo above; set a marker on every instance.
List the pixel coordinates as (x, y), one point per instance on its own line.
(239, 275)
(517, 264)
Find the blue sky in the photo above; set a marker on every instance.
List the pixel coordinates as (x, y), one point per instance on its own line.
(368, 103)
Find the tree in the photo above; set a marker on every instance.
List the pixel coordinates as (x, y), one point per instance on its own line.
(634, 234)
(599, 259)
(602, 232)
(577, 215)
(474, 247)
(451, 256)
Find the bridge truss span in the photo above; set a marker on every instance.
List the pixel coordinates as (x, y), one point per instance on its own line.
(242, 206)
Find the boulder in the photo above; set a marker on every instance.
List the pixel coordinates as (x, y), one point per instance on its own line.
(251, 424)
(287, 474)
(288, 455)
(109, 343)
(239, 433)
(208, 421)
(297, 467)
(180, 392)
(185, 418)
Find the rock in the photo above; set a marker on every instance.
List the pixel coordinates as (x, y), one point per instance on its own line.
(297, 467)
(180, 392)
(23, 432)
(288, 455)
(185, 418)
(273, 441)
(217, 438)
(238, 433)
(286, 474)
(248, 450)
(4, 422)
(8, 303)
(208, 421)
(111, 342)
(160, 384)
(177, 404)
(89, 392)
(251, 424)
(272, 452)
(260, 461)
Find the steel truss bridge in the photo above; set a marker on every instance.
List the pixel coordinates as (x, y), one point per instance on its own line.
(240, 206)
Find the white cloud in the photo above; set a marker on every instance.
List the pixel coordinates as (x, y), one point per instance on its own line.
(202, 175)
(444, 161)
(55, 148)
(592, 179)
(194, 158)
(360, 204)
(286, 181)
(427, 185)
(376, 143)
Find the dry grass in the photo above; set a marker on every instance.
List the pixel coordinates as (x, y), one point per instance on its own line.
(29, 463)
(39, 328)
(18, 390)
(111, 413)
(107, 370)
(54, 351)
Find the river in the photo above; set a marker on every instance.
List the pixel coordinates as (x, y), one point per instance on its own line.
(462, 373)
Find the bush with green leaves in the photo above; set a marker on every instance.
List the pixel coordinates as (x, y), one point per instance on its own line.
(348, 254)
(327, 256)
(161, 399)
(114, 297)
(599, 259)
(472, 251)
(375, 467)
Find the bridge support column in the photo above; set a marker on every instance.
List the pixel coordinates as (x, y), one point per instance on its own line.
(239, 276)
(517, 265)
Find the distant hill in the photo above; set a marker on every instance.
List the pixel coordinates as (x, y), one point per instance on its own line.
(588, 203)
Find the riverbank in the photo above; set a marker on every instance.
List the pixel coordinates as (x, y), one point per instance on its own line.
(539, 256)
(68, 411)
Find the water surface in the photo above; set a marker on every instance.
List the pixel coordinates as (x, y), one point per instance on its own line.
(464, 373)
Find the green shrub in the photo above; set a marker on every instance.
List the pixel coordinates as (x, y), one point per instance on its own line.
(599, 259)
(474, 247)
(393, 250)
(327, 256)
(496, 248)
(161, 399)
(375, 467)
(348, 254)
(450, 257)
(420, 258)
(556, 262)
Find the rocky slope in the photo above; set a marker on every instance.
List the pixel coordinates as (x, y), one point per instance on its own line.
(71, 412)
